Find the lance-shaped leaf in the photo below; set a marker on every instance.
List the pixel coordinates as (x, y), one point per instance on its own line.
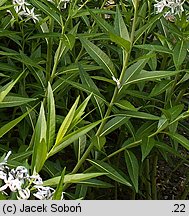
(111, 172)
(7, 88)
(47, 10)
(146, 146)
(179, 53)
(72, 178)
(59, 189)
(120, 26)
(51, 118)
(7, 127)
(113, 124)
(134, 70)
(150, 75)
(70, 138)
(180, 139)
(39, 141)
(86, 80)
(12, 101)
(102, 23)
(133, 168)
(99, 56)
(66, 123)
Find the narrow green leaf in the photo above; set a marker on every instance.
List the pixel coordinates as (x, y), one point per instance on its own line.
(126, 105)
(141, 115)
(120, 26)
(146, 27)
(99, 142)
(113, 124)
(99, 56)
(155, 48)
(7, 88)
(70, 138)
(59, 189)
(86, 80)
(146, 146)
(39, 141)
(66, 123)
(120, 41)
(134, 70)
(96, 183)
(180, 139)
(72, 178)
(179, 53)
(51, 117)
(11, 101)
(47, 10)
(160, 87)
(133, 168)
(111, 172)
(102, 23)
(10, 125)
(86, 89)
(151, 75)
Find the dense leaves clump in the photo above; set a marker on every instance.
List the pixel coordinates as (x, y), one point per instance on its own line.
(94, 97)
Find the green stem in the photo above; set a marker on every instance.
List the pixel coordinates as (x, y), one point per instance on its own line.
(49, 50)
(116, 91)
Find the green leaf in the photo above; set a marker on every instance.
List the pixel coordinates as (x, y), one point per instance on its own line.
(69, 40)
(10, 125)
(99, 56)
(86, 89)
(146, 27)
(59, 189)
(47, 10)
(7, 88)
(102, 23)
(150, 75)
(180, 139)
(113, 124)
(179, 53)
(66, 123)
(87, 81)
(96, 183)
(51, 117)
(12, 101)
(120, 26)
(133, 168)
(39, 141)
(125, 105)
(99, 142)
(155, 48)
(141, 115)
(72, 178)
(160, 87)
(80, 111)
(146, 146)
(70, 138)
(134, 70)
(111, 172)
(126, 45)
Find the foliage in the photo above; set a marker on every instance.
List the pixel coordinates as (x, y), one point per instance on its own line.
(94, 94)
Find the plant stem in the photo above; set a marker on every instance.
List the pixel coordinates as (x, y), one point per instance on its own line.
(49, 50)
(116, 91)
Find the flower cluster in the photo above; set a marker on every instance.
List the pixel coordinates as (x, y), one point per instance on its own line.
(25, 10)
(175, 7)
(20, 182)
